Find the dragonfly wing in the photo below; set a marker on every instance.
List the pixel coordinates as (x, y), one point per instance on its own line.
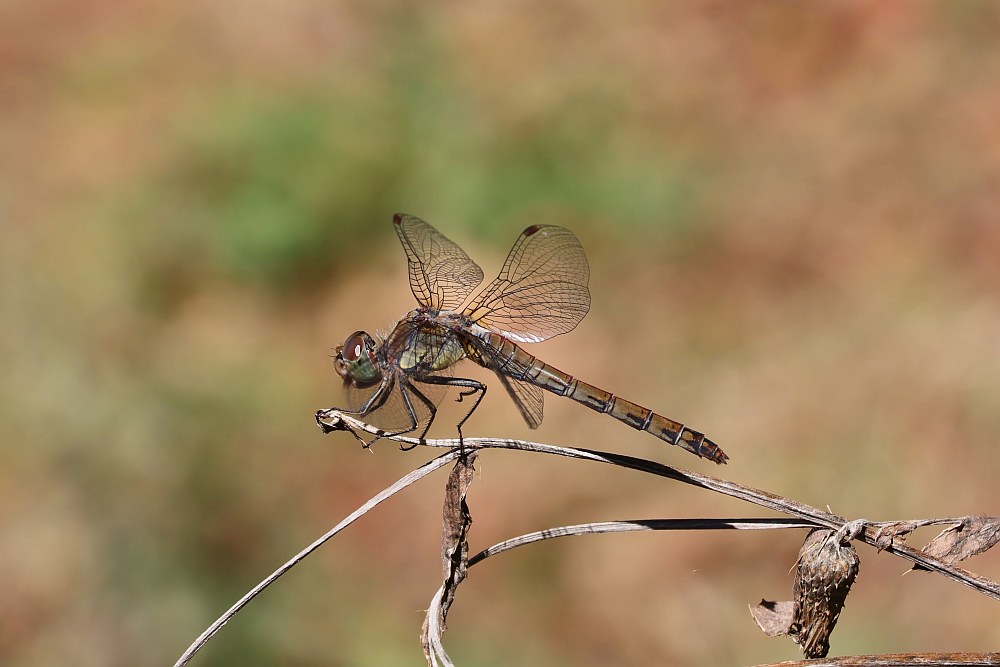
(542, 289)
(527, 397)
(441, 274)
(392, 414)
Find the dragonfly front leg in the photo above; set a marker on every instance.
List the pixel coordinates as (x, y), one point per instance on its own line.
(470, 387)
(376, 401)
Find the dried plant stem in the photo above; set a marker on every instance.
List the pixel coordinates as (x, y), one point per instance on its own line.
(637, 525)
(880, 535)
(867, 531)
(385, 494)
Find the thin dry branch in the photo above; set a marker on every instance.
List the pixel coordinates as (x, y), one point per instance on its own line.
(637, 525)
(866, 531)
(981, 532)
(883, 536)
(385, 494)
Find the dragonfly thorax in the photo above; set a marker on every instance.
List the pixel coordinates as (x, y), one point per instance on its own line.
(355, 361)
(426, 341)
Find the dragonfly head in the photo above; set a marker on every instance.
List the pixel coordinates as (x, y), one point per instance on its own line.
(355, 360)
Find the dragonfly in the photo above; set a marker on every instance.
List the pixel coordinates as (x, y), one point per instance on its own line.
(395, 382)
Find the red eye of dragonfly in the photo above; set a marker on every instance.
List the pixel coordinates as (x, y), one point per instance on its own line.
(354, 347)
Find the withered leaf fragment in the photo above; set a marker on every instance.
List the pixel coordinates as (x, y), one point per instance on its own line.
(887, 532)
(973, 535)
(774, 618)
(455, 524)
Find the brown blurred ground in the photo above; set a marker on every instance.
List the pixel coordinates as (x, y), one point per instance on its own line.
(793, 217)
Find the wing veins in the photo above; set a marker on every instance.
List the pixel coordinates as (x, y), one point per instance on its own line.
(541, 290)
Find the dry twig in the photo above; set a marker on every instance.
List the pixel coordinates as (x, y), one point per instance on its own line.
(965, 537)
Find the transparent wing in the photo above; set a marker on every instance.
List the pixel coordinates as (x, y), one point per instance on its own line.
(392, 415)
(527, 397)
(542, 289)
(441, 274)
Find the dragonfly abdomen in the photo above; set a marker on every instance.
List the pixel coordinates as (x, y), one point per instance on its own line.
(627, 412)
(508, 358)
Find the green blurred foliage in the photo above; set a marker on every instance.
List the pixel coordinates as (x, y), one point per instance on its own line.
(268, 191)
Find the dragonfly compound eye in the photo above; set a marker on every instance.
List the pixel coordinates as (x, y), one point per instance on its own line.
(354, 346)
(357, 360)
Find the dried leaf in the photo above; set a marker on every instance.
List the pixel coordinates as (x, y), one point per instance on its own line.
(823, 577)
(973, 535)
(455, 525)
(890, 530)
(774, 618)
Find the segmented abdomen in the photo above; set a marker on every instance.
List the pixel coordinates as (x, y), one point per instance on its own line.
(508, 358)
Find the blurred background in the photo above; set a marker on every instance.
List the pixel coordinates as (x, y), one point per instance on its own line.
(791, 212)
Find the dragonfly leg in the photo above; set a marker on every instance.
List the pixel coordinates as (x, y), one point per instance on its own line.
(376, 401)
(470, 387)
(405, 391)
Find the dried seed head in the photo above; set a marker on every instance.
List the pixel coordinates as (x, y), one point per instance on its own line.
(823, 577)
